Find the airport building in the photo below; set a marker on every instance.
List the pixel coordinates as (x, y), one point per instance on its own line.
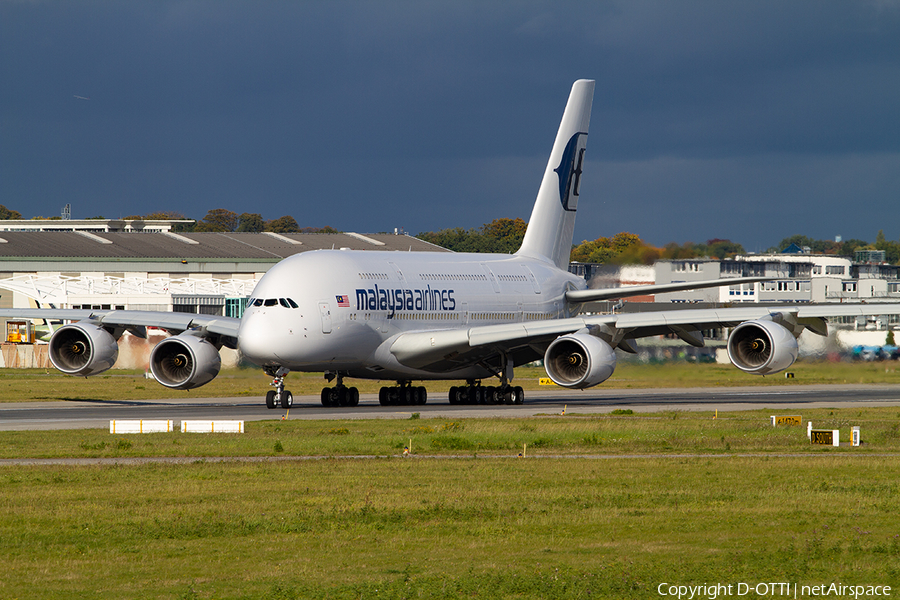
(120, 265)
(796, 278)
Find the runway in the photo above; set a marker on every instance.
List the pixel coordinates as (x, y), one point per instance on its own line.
(97, 414)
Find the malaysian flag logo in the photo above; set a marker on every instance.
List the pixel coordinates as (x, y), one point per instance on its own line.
(343, 300)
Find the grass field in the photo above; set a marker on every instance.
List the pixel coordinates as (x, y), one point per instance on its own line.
(601, 506)
(22, 385)
(476, 528)
(572, 435)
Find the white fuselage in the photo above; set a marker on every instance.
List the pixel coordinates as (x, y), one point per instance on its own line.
(340, 310)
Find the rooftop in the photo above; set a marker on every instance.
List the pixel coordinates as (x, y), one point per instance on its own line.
(82, 245)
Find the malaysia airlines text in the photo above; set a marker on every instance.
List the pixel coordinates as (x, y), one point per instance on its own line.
(396, 299)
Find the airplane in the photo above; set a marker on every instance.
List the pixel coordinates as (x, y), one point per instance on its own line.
(416, 316)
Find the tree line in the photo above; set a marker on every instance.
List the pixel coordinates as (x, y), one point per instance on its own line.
(216, 220)
(504, 236)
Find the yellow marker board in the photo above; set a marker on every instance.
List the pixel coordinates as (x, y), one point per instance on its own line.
(545, 381)
(787, 420)
(827, 437)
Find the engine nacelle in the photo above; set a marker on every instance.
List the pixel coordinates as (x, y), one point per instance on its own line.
(579, 361)
(185, 362)
(83, 349)
(762, 347)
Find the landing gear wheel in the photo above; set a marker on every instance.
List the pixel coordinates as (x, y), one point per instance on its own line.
(270, 399)
(287, 399)
(520, 395)
(479, 395)
(326, 396)
(353, 397)
(492, 395)
(423, 395)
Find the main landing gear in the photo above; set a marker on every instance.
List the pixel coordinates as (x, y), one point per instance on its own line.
(279, 396)
(402, 394)
(339, 395)
(475, 393)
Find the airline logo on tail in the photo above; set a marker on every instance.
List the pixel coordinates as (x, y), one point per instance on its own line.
(569, 171)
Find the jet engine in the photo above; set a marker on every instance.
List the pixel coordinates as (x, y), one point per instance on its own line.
(83, 349)
(185, 362)
(579, 361)
(761, 347)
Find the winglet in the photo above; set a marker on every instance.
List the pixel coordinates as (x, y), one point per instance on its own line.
(552, 224)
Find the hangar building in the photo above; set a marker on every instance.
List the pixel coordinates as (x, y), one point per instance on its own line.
(153, 268)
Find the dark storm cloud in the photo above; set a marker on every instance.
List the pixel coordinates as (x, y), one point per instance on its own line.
(750, 120)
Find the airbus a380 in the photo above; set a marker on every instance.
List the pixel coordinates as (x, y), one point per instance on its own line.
(413, 316)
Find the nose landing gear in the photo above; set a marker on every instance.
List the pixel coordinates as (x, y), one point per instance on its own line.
(279, 396)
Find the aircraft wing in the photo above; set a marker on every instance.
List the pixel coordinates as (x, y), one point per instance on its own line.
(446, 350)
(594, 295)
(133, 320)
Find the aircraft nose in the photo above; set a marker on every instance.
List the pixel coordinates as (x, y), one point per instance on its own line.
(256, 337)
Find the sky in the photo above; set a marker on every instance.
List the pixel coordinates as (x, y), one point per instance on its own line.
(749, 121)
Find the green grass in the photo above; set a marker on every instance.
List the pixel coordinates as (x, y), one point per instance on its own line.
(22, 385)
(678, 497)
(573, 434)
(485, 528)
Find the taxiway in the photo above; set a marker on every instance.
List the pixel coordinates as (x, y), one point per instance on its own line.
(88, 415)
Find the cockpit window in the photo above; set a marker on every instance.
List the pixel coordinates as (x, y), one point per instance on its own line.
(285, 302)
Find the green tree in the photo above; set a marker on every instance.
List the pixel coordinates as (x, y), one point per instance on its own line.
(504, 235)
(889, 339)
(723, 248)
(285, 224)
(326, 229)
(218, 219)
(673, 251)
(456, 239)
(7, 214)
(622, 248)
(849, 247)
(250, 222)
(891, 249)
(164, 215)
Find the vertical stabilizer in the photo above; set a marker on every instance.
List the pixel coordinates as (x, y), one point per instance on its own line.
(552, 222)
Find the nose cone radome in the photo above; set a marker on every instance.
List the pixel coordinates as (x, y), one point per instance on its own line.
(258, 339)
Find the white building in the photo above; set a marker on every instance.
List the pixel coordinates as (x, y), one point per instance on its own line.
(796, 278)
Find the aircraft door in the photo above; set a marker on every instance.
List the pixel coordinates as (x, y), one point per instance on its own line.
(491, 277)
(325, 313)
(532, 280)
(399, 273)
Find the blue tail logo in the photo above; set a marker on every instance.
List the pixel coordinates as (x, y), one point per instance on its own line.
(569, 171)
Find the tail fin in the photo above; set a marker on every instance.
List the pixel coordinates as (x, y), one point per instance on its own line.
(552, 224)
